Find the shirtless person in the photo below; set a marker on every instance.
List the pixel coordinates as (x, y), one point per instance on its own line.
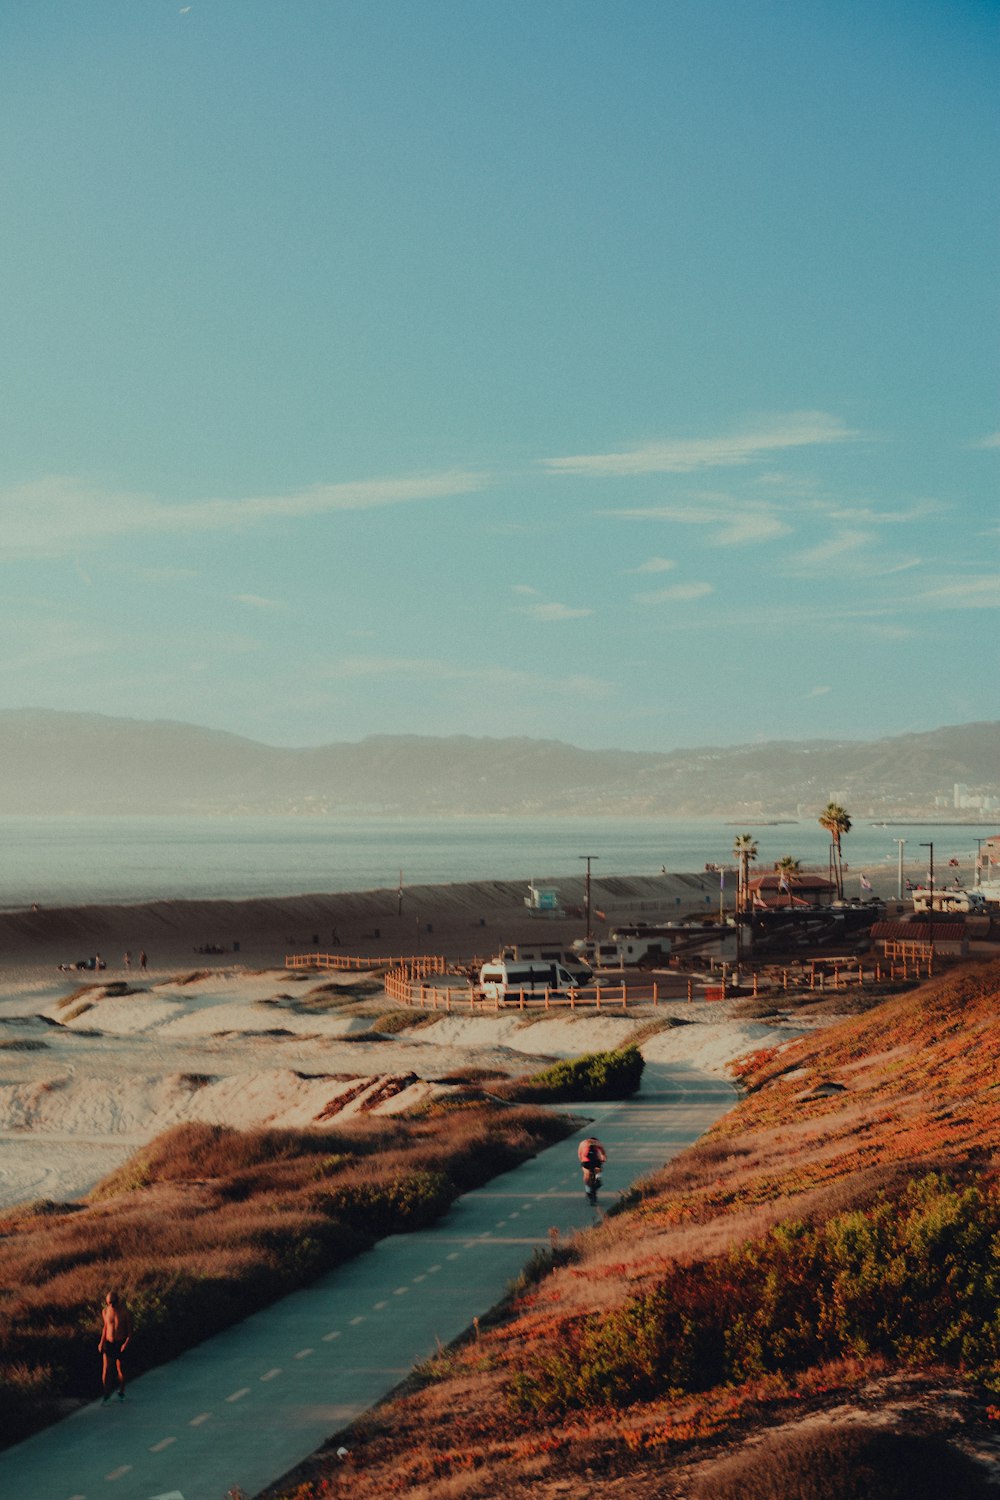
(116, 1330)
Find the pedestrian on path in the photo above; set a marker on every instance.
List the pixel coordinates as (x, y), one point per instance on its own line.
(116, 1330)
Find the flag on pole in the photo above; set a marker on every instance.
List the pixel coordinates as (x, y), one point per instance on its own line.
(866, 884)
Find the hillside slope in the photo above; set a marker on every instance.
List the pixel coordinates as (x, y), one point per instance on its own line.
(829, 1255)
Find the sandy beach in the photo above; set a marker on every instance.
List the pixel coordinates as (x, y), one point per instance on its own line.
(93, 1066)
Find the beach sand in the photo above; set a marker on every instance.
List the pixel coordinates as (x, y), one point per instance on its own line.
(88, 1074)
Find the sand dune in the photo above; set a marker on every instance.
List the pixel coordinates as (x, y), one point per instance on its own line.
(90, 1071)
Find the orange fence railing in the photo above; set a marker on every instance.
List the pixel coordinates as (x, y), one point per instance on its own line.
(424, 964)
(409, 989)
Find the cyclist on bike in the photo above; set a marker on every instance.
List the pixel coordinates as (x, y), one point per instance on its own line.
(591, 1156)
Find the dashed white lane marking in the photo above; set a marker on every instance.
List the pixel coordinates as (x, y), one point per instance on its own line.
(163, 1443)
(499, 1223)
(304, 1353)
(432, 1269)
(77, 1497)
(401, 1291)
(119, 1472)
(378, 1306)
(238, 1395)
(359, 1319)
(516, 1214)
(421, 1277)
(206, 1416)
(453, 1255)
(270, 1374)
(328, 1338)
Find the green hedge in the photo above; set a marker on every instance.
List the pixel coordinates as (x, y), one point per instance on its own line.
(597, 1075)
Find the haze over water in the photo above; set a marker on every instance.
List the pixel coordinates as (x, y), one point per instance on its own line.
(78, 861)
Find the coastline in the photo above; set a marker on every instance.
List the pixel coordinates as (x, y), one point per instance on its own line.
(461, 920)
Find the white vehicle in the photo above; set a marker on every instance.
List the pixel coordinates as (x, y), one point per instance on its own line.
(551, 953)
(950, 900)
(508, 979)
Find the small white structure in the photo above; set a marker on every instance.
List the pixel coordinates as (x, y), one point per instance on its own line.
(542, 900)
(950, 900)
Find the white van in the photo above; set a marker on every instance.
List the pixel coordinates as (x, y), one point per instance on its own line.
(508, 979)
(548, 953)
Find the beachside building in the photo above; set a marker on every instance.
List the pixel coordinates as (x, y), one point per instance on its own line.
(777, 889)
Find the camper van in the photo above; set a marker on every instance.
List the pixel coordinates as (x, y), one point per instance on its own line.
(627, 947)
(508, 978)
(551, 953)
(950, 900)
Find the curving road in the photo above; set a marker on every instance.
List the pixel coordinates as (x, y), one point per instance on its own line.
(245, 1407)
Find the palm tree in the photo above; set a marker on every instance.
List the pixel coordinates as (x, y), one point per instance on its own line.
(836, 820)
(787, 867)
(745, 850)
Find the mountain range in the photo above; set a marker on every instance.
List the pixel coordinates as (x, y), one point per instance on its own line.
(74, 763)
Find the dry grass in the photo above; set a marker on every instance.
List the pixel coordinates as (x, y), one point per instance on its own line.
(206, 1224)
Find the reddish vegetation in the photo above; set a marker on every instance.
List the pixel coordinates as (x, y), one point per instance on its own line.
(873, 1211)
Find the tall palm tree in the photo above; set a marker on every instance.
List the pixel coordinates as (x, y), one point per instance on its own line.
(787, 867)
(836, 820)
(745, 850)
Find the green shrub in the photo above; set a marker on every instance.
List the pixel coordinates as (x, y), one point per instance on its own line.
(596, 1075)
(915, 1279)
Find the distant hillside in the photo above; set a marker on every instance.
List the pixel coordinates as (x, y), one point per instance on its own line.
(87, 763)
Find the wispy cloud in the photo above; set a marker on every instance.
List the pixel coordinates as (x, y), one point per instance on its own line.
(655, 565)
(817, 692)
(684, 455)
(834, 549)
(52, 514)
(556, 611)
(965, 593)
(735, 524)
(992, 440)
(256, 601)
(676, 593)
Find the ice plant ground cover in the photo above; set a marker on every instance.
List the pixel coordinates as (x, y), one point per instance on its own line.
(826, 1259)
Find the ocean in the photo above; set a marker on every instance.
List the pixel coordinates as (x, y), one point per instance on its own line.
(78, 861)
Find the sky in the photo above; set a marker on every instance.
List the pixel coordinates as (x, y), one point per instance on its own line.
(623, 374)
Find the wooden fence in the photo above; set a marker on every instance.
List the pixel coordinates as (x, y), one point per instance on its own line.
(408, 988)
(418, 966)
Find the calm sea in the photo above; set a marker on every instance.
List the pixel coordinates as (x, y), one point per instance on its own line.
(74, 861)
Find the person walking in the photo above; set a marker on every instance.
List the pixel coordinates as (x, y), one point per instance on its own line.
(116, 1330)
(142, 961)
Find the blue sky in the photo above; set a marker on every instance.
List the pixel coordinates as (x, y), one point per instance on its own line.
(622, 374)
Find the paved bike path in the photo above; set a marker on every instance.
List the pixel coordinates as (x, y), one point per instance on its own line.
(246, 1406)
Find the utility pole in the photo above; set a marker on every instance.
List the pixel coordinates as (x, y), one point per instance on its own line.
(930, 905)
(899, 871)
(586, 891)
